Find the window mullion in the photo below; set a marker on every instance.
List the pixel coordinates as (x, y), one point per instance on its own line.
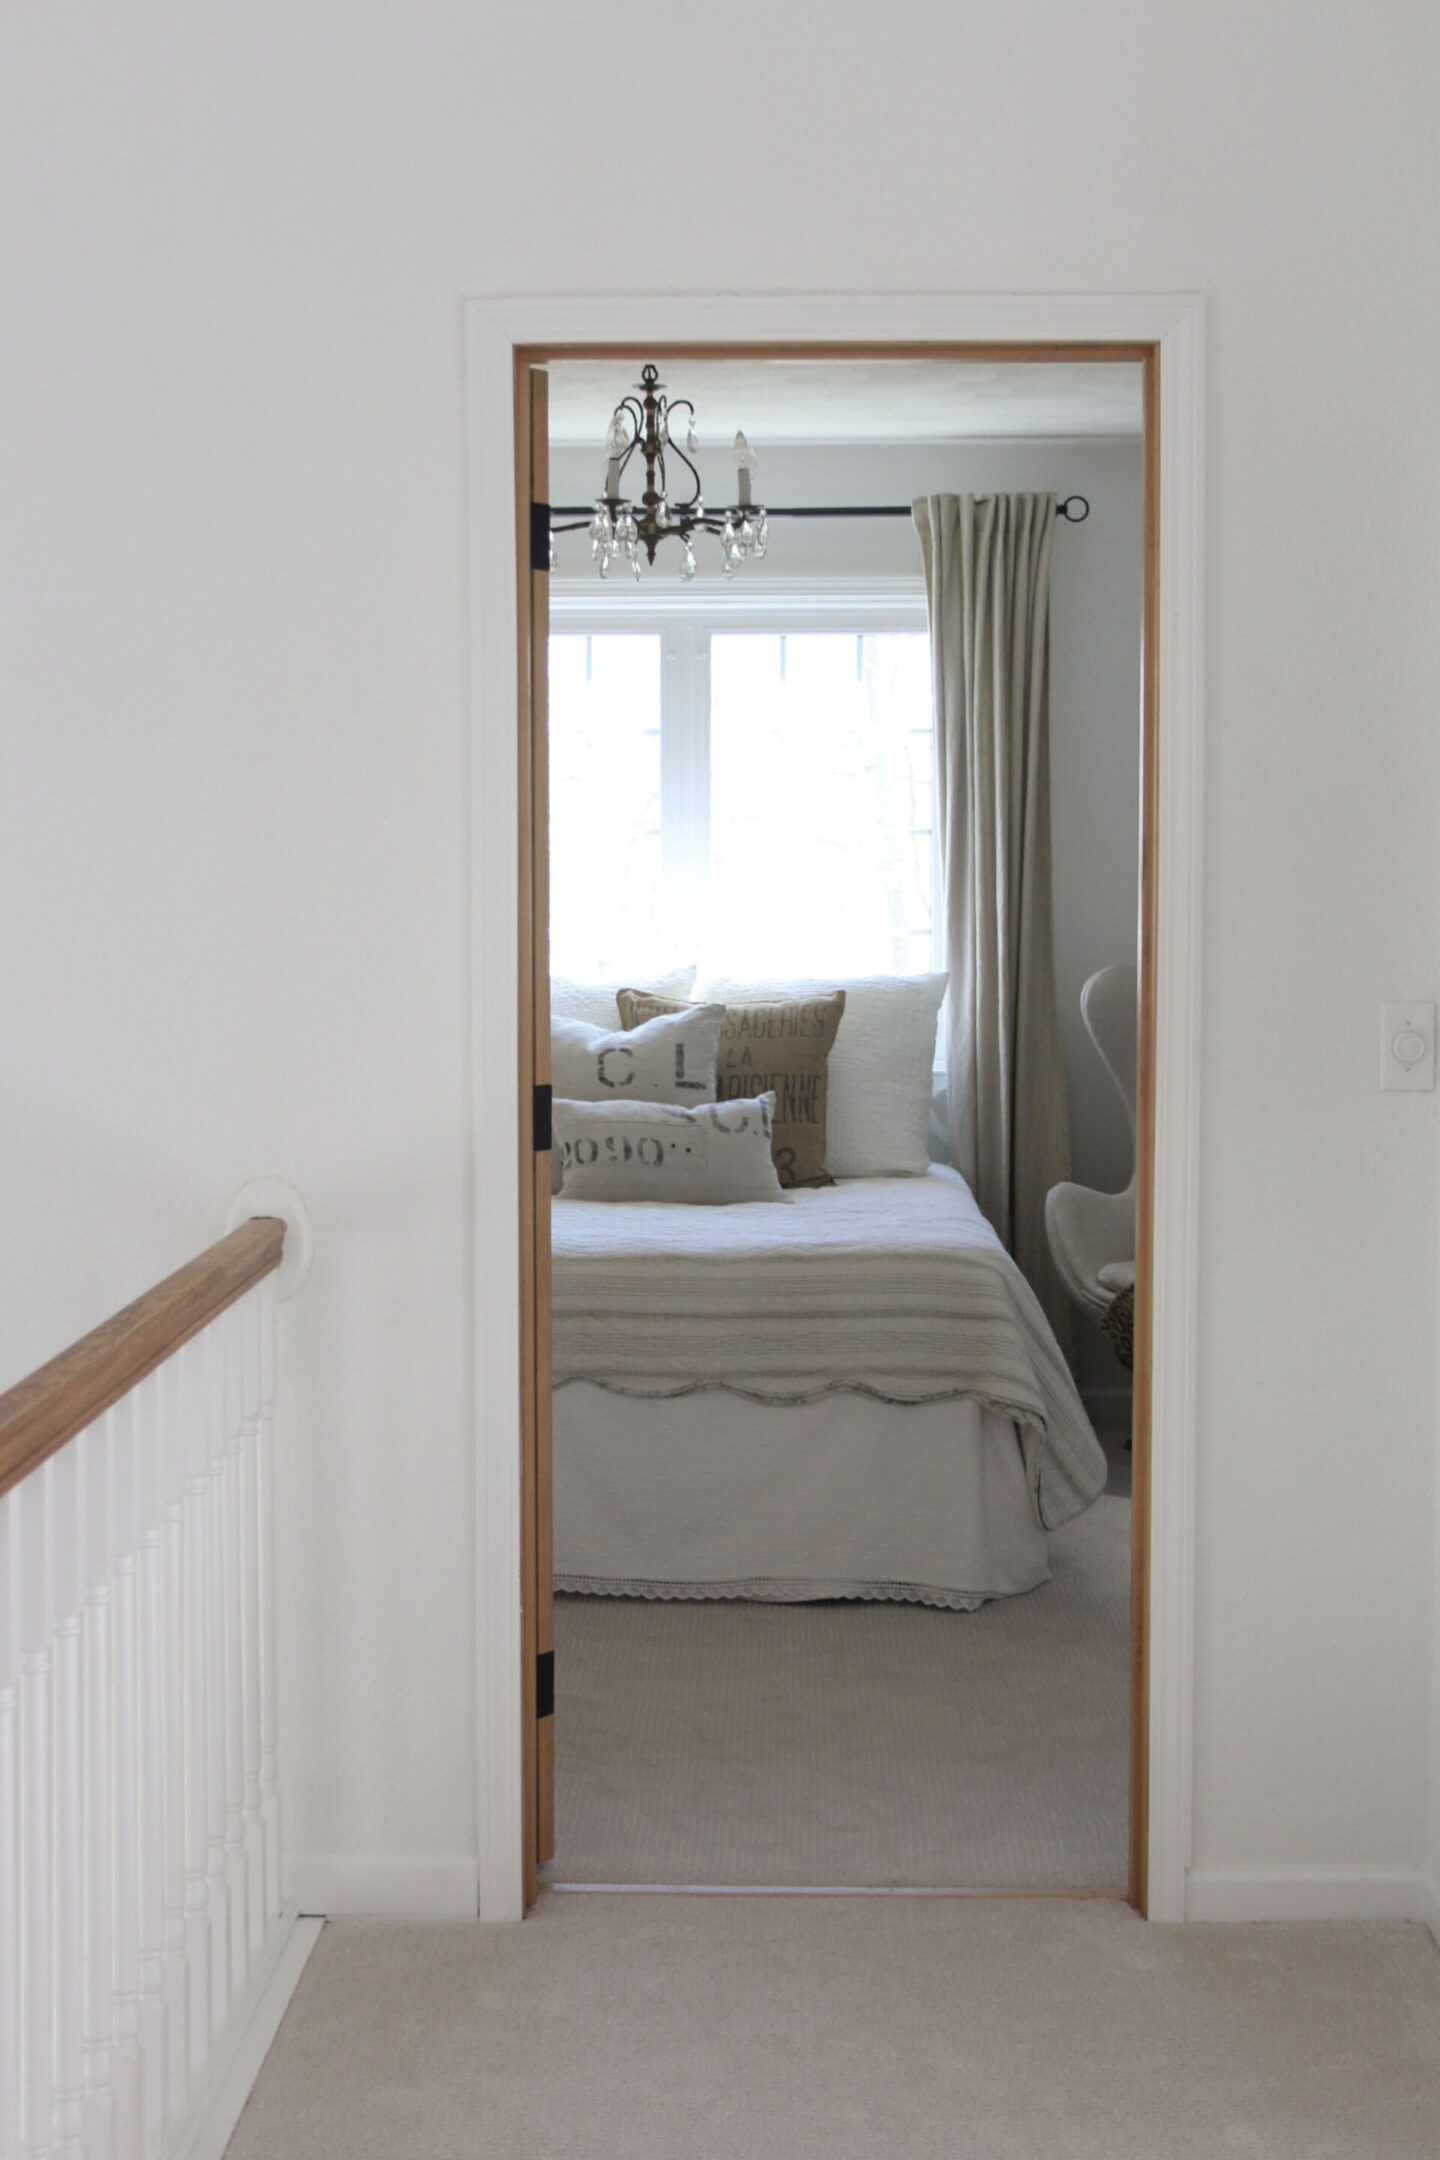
(685, 779)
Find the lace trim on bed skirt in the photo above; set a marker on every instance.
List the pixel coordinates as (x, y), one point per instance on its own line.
(769, 1589)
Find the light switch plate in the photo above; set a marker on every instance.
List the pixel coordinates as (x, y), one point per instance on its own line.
(1407, 1045)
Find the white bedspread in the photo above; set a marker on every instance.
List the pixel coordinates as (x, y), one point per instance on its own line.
(891, 1287)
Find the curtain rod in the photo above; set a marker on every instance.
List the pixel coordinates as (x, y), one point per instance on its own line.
(582, 511)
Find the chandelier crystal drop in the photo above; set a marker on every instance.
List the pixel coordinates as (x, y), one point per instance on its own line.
(620, 529)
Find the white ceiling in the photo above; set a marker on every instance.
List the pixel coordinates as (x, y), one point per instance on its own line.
(824, 401)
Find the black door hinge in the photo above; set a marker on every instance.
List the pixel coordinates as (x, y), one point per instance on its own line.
(539, 536)
(540, 1124)
(545, 1684)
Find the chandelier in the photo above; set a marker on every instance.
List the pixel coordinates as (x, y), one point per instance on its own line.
(620, 528)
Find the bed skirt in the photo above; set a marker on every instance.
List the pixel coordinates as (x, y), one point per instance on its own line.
(709, 1495)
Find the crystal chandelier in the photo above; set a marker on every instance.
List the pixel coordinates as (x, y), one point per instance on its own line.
(620, 528)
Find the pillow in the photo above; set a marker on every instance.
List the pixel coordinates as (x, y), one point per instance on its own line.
(573, 999)
(712, 1157)
(782, 1046)
(878, 1113)
(671, 1059)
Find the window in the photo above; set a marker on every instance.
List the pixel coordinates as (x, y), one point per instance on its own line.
(749, 787)
(605, 904)
(820, 840)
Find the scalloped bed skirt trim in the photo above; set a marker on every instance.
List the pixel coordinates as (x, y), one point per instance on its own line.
(766, 1591)
(712, 1496)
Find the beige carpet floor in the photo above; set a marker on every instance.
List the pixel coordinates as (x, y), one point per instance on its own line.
(668, 2028)
(852, 1743)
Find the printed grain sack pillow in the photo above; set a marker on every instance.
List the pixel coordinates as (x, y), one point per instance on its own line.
(778, 1046)
(716, 1156)
(878, 1116)
(671, 1060)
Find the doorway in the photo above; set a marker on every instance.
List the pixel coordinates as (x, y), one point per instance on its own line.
(532, 1046)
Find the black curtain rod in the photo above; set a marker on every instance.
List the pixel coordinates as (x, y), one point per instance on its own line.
(842, 510)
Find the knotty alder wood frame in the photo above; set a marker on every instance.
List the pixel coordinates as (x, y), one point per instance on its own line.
(532, 617)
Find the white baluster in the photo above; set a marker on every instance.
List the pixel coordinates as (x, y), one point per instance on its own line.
(215, 1885)
(68, 1909)
(11, 2052)
(37, 1972)
(125, 1695)
(99, 1815)
(150, 1587)
(139, 1797)
(231, 1329)
(196, 1553)
(171, 1452)
(269, 1682)
(250, 1626)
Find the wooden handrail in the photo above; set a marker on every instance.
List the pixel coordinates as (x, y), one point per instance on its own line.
(40, 1414)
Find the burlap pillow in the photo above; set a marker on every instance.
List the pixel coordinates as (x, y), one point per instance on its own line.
(779, 1046)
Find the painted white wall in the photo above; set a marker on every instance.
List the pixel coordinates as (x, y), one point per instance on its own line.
(233, 859)
(1096, 587)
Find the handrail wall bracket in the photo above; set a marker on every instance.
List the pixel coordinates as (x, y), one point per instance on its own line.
(276, 1196)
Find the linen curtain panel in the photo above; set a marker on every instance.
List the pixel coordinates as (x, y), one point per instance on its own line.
(987, 577)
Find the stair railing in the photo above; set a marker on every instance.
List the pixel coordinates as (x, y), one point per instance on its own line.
(140, 1910)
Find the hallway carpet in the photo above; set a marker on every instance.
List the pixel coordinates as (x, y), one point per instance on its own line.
(851, 1743)
(672, 2028)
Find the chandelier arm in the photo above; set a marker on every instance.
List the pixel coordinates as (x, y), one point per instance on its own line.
(632, 410)
(694, 475)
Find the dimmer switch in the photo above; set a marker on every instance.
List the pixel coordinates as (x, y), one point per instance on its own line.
(1407, 1045)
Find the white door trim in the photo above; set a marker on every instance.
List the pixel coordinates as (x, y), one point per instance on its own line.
(494, 328)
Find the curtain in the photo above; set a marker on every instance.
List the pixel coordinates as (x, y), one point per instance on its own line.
(987, 576)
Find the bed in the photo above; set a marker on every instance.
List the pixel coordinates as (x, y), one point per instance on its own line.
(851, 1394)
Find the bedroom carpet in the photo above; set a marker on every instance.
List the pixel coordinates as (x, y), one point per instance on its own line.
(672, 2028)
(852, 1744)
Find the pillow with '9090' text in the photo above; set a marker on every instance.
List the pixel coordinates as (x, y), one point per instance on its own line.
(712, 1156)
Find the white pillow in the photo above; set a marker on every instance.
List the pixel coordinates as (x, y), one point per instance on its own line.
(878, 1113)
(571, 999)
(715, 1156)
(669, 1059)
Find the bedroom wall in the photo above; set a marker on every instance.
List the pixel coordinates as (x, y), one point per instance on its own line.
(234, 862)
(1096, 575)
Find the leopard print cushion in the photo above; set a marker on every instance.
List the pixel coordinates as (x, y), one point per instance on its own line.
(1118, 1322)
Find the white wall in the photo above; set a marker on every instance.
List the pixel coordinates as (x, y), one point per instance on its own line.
(1096, 590)
(233, 861)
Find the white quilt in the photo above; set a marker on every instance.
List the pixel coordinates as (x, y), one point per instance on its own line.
(891, 1287)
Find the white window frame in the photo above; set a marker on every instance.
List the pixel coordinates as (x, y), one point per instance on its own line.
(685, 618)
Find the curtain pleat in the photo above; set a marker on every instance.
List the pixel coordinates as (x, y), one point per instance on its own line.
(987, 576)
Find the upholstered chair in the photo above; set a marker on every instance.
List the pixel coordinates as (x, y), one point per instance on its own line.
(1092, 1234)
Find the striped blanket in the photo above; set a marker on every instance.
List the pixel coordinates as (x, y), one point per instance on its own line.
(892, 1287)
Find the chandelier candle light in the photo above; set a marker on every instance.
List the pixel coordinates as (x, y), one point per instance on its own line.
(619, 529)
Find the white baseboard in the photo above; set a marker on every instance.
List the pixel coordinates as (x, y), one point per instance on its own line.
(1322, 1893)
(210, 2123)
(372, 1885)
